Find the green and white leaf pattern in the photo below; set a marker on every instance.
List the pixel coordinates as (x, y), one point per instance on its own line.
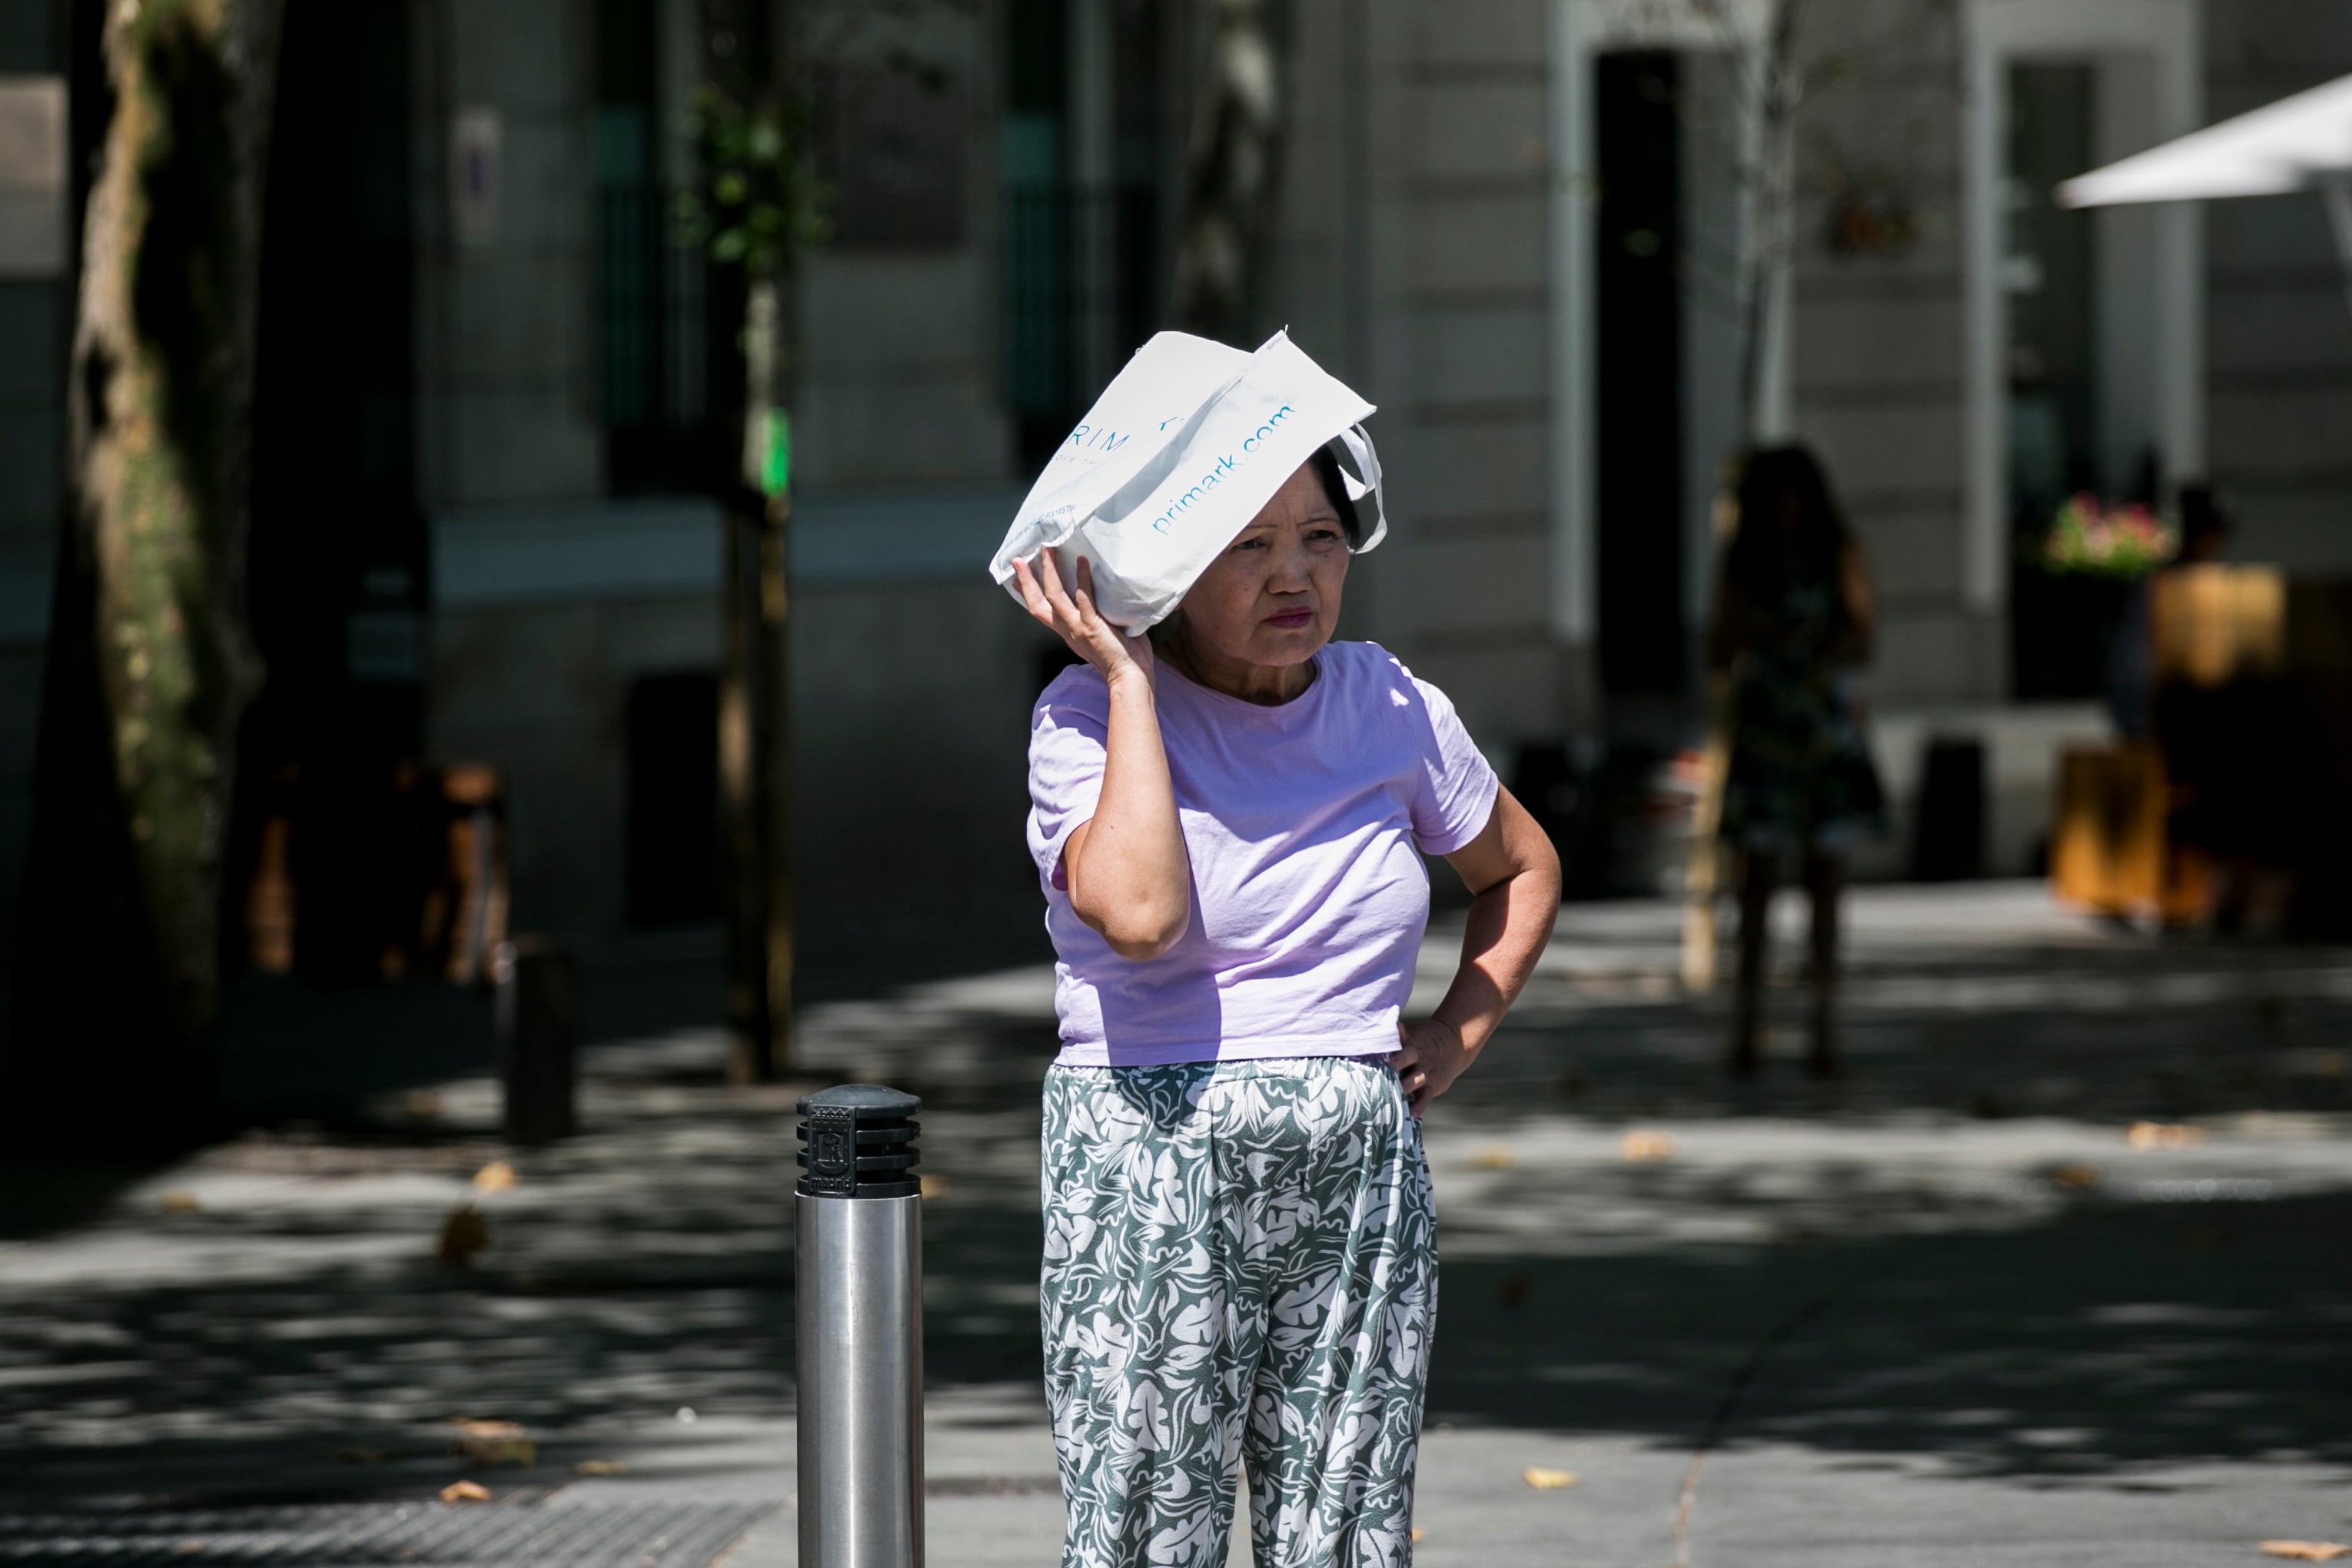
(1241, 1262)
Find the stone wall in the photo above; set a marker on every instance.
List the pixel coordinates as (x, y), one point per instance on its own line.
(1414, 262)
(896, 380)
(506, 373)
(1876, 336)
(2278, 320)
(912, 679)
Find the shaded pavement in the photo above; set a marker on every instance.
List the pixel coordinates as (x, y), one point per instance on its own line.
(1940, 1312)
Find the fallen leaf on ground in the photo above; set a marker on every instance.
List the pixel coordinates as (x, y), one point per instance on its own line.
(465, 1491)
(1514, 1291)
(1641, 1145)
(424, 1104)
(936, 1186)
(495, 1177)
(1545, 1480)
(463, 1234)
(2076, 1175)
(189, 1548)
(494, 1442)
(2163, 1135)
(363, 1456)
(179, 1200)
(2306, 1550)
(1495, 1159)
(598, 1468)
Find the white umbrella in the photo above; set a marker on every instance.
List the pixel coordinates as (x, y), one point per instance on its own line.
(2299, 143)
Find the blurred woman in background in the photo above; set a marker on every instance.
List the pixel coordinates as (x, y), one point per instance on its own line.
(1793, 624)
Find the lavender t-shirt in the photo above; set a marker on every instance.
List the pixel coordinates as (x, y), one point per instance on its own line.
(1308, 899)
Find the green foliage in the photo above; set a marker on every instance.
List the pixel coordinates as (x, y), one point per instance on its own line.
(2096, 539)
(776, 452)
(758, 203)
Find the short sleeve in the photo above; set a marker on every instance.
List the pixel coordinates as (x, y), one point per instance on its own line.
(1453, 794)
(1067, 732)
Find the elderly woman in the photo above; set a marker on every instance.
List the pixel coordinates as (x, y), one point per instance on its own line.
(1240, 1254)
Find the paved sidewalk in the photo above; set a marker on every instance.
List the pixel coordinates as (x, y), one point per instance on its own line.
(1940, 1312)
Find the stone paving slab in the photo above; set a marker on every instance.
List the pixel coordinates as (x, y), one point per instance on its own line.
(633, 1535)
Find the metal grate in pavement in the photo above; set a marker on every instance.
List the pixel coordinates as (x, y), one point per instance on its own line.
(385, 1535)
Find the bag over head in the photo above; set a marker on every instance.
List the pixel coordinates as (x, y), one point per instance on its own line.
(1188, 442)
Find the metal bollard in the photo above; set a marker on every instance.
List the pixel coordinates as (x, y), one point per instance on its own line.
(859, 1284)
(539, 1026)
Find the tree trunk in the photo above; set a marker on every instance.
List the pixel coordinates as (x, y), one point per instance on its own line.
(149, 663)
(1770, 224)
(1233, 171)
(746, 63)
(755, 713)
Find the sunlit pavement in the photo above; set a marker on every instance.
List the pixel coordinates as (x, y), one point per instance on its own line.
(1939, 1312)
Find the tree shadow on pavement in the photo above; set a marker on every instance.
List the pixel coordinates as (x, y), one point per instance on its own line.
(2088, 1335)
(2110, 1337)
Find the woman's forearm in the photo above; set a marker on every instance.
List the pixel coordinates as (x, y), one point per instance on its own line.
(1508, 925)
(1516, 874)
(1129, 877)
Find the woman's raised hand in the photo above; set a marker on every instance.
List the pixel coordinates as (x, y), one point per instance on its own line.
(1072, 614)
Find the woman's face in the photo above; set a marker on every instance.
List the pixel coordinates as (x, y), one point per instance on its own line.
(1271, 598)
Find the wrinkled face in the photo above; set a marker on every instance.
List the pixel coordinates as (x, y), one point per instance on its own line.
(1271, 598)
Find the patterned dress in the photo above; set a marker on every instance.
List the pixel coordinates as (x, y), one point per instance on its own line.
(1241, 1265)
(1801, 777)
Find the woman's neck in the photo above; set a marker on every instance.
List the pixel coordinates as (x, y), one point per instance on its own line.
(1267, 685)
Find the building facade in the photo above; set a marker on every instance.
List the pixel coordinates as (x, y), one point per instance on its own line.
(1538, 233)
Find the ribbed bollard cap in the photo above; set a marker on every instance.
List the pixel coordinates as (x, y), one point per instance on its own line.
(857, 1140)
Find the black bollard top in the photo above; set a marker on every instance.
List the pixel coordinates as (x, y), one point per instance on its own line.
(857, 1140)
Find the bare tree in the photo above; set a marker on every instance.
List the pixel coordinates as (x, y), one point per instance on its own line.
(758, 206)
(1777, 81)
(1755, 137)
(150, 663)
(1759, 129)
(753, 208)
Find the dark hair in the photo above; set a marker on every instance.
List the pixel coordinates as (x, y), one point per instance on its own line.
(1762, 557)
(1325, 464)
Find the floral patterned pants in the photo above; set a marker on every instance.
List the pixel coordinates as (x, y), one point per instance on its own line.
(1240, 1264)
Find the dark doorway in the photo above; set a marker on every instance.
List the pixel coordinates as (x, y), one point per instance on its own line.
(336, 559)
(1639, 337)
(673, 809)
(2062, 626)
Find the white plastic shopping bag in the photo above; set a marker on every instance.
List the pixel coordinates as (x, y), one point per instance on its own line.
(1182, 450)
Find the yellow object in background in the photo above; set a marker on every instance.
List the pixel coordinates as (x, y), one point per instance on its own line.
(2215, 624)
